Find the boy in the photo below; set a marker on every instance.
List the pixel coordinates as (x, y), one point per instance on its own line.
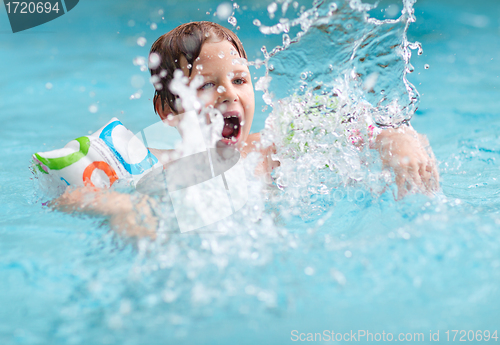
(211, 51)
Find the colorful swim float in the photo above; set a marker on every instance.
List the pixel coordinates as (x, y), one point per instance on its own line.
(98, 160)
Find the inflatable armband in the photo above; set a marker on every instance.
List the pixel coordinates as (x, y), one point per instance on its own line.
(98, 160)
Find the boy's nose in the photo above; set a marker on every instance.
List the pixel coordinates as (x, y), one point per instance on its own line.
(227, 93)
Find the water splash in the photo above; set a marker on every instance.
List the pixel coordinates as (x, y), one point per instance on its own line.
(338, 78)
(340, 39)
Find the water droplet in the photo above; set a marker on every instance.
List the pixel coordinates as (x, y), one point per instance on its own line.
(189, 66)
(199, 67)
(240, 61)
(139, 61)
(160, 12)
(426, 66)
(221, 89)
(264, 51)
(178, 74)
(392, 10)
(221, 55)
(230, 75)
(48, 86)
(333, 8)
(233, 52)
(136, 95)
(232, 20)
(348, 254)
(370, 81)
(154, 60)
(272, 8)
(338, 276)
(93, 108)
(284, 8)
(131, 23)
(141, 41)
(163, 73)
(286, 40)
(257, 22)
(303, 75)
(224, 10)
(154, 79)
(309, 271)
(153, 26)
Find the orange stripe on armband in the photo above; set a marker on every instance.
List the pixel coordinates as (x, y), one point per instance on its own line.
(103, 166)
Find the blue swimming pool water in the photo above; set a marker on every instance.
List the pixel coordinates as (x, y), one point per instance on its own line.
(415, 265)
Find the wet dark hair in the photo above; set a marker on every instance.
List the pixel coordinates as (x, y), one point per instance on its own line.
(185, 40)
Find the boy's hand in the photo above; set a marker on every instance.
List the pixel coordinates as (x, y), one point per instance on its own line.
(410, 156)
(93, 201)
(128, 217)
(268, 164)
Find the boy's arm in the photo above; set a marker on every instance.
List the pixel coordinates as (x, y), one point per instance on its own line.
(411, 158)
(133, 218)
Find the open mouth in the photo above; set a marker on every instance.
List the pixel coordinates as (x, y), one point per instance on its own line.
(232, 128)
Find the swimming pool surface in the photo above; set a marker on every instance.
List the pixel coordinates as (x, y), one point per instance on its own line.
(412, 266)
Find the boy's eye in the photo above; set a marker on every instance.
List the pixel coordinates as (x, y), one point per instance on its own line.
(206, 86)
(239, 81)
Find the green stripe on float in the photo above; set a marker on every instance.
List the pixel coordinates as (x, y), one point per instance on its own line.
(40, 168)
(63, 162)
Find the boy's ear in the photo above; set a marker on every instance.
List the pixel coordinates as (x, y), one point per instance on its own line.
(164, 113)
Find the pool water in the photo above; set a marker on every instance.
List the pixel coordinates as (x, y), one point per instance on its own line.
(416, 265)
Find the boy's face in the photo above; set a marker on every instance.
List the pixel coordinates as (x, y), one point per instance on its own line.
(227, 86)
